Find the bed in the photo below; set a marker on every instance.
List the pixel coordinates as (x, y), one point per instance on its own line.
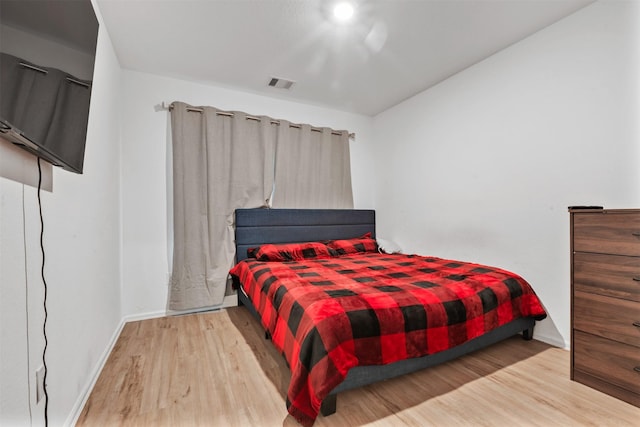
(344, 315)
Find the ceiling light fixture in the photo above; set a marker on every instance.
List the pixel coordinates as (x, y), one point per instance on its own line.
(343, 11)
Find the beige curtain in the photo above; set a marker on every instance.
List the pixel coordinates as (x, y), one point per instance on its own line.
(313, 168)
(220, 163)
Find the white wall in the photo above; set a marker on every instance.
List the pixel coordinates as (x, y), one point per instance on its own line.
(483, 166)
(83, 247)
(480, 167)
(146, 219)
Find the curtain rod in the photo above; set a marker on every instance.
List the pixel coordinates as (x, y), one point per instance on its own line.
(169, 106)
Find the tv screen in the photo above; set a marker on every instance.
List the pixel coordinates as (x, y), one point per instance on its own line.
(47, 55)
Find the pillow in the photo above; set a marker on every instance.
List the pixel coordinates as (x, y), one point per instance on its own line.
(351, 246)
(292, 251)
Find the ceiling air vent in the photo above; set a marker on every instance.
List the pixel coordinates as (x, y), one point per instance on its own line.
(281, 83)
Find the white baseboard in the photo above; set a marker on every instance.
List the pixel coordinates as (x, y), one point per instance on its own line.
(229, 301)
(86, 391)
(145, 316)
(72, 419)
(551, 341)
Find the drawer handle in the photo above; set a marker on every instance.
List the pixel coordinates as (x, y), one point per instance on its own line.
(637, 368)
(636, 324)
(636, 233)
(636, 279)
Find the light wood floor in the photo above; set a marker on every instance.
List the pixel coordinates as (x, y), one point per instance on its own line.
(216, 369)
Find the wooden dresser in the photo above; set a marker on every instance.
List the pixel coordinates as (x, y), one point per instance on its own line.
(605, 301)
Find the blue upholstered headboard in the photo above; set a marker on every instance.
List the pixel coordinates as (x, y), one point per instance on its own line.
(258, 226)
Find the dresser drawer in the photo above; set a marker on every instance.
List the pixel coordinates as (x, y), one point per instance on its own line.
(607, 317)
(608, 360)
(613, 275)
(607, 233)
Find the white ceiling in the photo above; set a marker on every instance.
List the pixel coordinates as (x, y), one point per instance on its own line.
(392, 50)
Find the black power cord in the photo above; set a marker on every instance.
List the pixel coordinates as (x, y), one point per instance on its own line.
(44, 324)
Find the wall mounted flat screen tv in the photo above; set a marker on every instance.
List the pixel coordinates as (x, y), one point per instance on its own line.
(47, 56)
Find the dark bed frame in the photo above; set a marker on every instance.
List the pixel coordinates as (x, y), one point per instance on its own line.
(255, 227)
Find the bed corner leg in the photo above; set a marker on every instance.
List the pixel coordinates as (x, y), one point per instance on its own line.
(527, 334)
(235, 284)
(328, 405)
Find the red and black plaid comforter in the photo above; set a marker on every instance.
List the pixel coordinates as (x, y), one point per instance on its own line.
(329, 315)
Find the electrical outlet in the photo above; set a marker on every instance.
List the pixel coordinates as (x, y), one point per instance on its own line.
(39, 383)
